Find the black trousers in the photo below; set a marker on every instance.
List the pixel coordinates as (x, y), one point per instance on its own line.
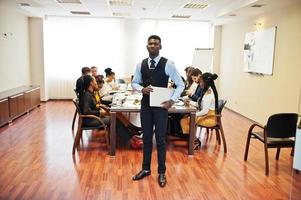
(150, 117)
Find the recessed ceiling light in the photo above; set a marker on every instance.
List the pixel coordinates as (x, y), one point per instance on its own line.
(181, 16)
(69, 1)
(80, 13)
(119, 14)
(195, 6)
(121, 2)
(258, 5)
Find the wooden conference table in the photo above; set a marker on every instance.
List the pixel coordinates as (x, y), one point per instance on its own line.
(131, 108)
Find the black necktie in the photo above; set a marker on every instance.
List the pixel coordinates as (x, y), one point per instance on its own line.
(152, 66)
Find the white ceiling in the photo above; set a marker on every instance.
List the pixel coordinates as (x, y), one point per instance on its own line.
(217, 11)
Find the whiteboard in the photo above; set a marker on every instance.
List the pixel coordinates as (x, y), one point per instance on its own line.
(259, 49)
(202, 59)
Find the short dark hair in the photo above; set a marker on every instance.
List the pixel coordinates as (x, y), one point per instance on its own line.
(155, 37)
(93, 67)
(188, 68)
(196, 72)
(85, 70)
(87, 81)
(100, 81)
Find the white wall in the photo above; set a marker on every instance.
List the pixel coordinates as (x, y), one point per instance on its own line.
(257, 97)
(14, 49)
(37, 54)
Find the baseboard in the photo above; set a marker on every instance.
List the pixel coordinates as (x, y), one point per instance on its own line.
(241, 115)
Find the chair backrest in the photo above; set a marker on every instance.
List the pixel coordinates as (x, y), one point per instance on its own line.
(282, 125)
(221, 105)
(76, 103)
(76, 93)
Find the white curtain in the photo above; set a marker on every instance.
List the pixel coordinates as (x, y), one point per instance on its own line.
(71, 43)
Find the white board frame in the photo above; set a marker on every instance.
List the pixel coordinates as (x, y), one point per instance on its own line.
(259, 51)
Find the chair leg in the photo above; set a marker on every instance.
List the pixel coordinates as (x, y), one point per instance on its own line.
(218, 137)
(77, 137)
(76, 140)
(207, 135)
(266, 159)
(247, 146)
(277, 154)
(292, 152)
(74, 118)
(224, 139)
(108, 138)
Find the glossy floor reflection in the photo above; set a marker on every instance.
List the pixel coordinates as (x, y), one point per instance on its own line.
(36, 163)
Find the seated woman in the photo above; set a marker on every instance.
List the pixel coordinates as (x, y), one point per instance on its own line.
(88, 107)
(192, 93)
(120, 116)
(207, 105)
(108, 86)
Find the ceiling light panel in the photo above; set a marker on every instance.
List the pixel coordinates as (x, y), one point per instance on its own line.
(80, 13)
(69, 1)
(181, 16)
(120, 14)
(195, 6)
(120, 2)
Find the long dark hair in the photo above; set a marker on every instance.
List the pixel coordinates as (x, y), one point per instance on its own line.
(209, 82)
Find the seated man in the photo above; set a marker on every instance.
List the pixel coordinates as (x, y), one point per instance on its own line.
(174, 119)
(80, 83)
(95, 73)
(196, 77)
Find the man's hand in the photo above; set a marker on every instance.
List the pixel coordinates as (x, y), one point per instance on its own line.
(147, 90)
(167, 104)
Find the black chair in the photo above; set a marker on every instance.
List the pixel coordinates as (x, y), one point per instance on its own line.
(279, 132)
(219, 126)
(75, 113)
(82, 127)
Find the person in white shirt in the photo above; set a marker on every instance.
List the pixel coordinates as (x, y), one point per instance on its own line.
(207, 107)
(109, 85)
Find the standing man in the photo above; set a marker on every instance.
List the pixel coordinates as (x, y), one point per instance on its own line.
(155, 71)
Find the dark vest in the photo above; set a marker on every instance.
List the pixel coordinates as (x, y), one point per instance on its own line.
(156, 77)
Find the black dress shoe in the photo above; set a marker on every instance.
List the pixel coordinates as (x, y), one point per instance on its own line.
(141, 175)
(162, 180)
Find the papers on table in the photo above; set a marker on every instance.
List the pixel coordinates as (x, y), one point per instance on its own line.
(159, 95)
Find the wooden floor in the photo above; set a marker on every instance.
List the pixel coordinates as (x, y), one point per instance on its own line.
(36, 163)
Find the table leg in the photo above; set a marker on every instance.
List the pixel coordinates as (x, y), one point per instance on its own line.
(191, 133)
(113, 134)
